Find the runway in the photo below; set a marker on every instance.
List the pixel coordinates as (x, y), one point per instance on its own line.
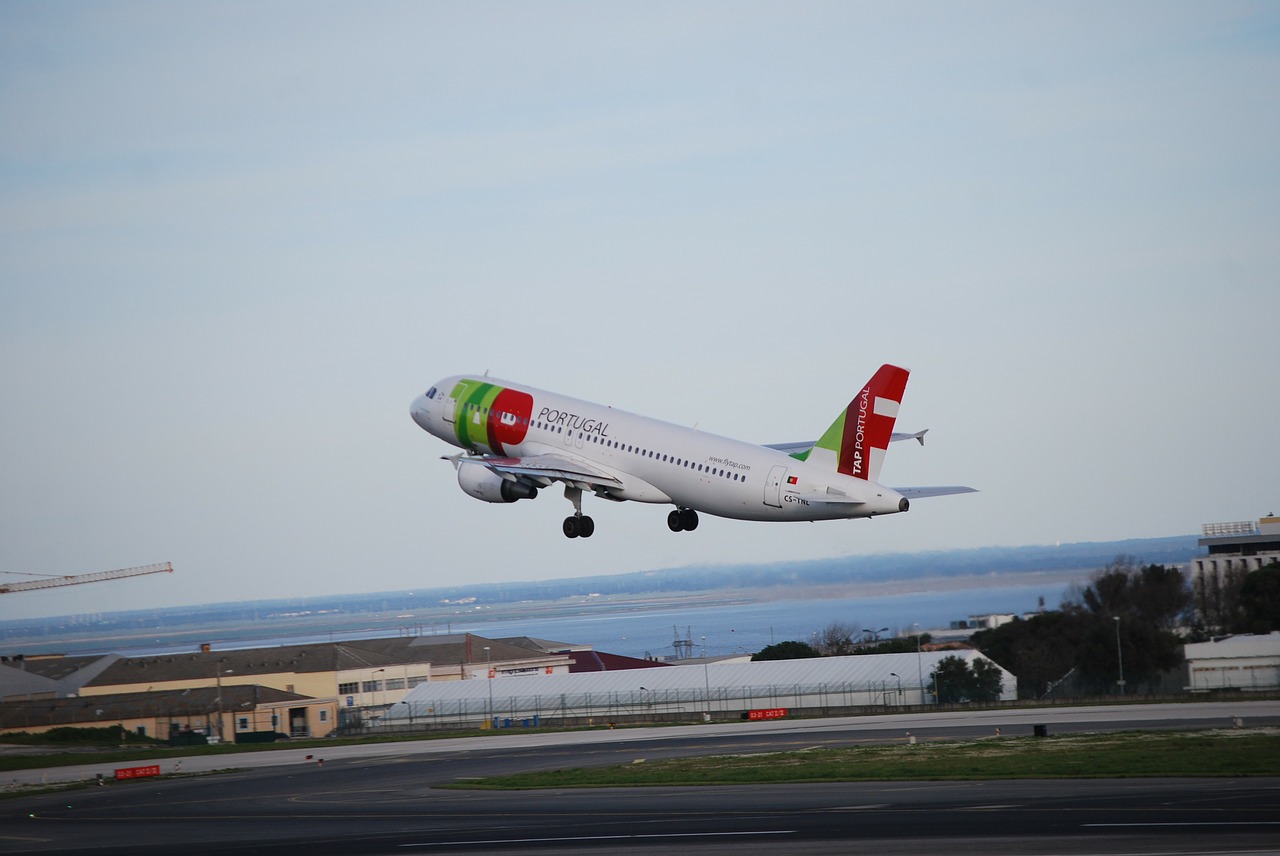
(384, 799)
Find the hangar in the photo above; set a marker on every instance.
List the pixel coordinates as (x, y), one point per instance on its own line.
(823, 685)
(1249, 663)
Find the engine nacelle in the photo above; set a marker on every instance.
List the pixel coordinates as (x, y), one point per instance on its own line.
(484, 484)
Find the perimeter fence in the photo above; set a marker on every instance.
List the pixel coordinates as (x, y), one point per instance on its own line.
(638, 705)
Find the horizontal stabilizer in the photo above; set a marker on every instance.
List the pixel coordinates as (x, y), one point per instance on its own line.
(943, 490)
(805, 445)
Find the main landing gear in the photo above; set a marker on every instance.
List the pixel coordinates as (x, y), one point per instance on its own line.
(579, 525)
(682, 520)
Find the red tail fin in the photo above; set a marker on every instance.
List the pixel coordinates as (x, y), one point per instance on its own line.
(868, 423)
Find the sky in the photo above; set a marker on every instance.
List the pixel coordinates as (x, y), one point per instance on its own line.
(237, 239)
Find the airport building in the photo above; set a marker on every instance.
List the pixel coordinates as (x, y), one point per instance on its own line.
(1239, 546)
(1230, 552)
(1249, 663)
(818, 686)
(298, 690)
(360, 674)
(40, 676)
(448, 681)
(242, 714)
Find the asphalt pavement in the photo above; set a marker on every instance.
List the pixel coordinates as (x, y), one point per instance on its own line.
(384, 798)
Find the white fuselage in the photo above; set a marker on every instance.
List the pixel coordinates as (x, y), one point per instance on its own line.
(659, 462)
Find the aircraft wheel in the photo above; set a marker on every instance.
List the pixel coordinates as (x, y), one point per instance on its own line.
(571, 527)
(675, 522)
(586, 526)
(688, 519)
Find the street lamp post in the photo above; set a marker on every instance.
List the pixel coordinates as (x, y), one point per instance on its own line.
(919, 663)
(380, 684)
(488, 659)
(895, 675)
(1119, 657)
(706, 679)
(218, 677)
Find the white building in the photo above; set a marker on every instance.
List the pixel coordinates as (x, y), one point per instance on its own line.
(717, 690)
(1236, 662)
(1242, 546)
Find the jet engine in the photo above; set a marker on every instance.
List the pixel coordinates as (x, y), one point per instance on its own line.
(483, 483)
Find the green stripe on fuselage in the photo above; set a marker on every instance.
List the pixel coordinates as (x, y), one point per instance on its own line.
(475, 398)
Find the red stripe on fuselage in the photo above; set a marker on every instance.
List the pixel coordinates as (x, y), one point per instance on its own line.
(517, 407)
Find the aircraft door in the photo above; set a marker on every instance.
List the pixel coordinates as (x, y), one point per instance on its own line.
(773, 486)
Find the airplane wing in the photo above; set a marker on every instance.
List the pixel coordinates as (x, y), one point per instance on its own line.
(806, 445)
(921, 492)
(543, 469)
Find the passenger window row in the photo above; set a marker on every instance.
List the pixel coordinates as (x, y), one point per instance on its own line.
(614, 444)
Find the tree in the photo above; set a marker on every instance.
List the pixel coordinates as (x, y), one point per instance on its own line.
(1149, 602)
(1260, 600)
(1147, 651)
(1039, 650)
(955, 681)
(1216, 597)
(786, 651)
(897, 645)
(1153, 594)
(836, 639)
(987, 683)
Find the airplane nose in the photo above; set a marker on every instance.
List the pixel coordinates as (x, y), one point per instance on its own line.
(418, 410)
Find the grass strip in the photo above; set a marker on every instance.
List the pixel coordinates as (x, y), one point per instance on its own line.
(76, 755)
(1232, 753)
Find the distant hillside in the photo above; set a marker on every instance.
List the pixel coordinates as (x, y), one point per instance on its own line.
(1176, 550)
(384, 609)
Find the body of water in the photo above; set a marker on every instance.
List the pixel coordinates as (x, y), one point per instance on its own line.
(746, 628)
(716, 630)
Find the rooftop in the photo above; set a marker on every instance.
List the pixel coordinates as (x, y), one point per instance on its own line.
(105, 710)
(315, 657)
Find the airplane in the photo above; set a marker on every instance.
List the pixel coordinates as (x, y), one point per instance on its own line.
(518, 440)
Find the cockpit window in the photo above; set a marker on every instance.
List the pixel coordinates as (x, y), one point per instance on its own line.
(431, 393)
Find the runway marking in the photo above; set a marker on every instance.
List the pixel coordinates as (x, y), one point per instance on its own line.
(1185, 823)
(600, 838)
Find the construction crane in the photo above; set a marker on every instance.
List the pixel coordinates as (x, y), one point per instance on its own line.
(77, 579)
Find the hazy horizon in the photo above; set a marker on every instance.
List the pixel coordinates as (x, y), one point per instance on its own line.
(804, 575)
